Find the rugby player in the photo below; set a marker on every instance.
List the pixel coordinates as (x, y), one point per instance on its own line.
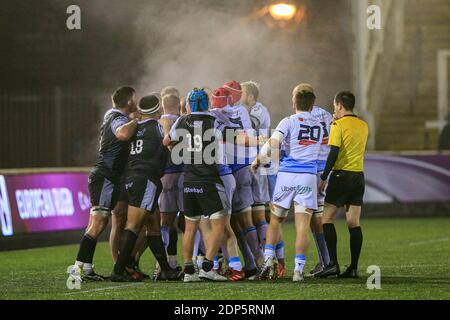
(145, 168)
(203, 193)
(241, 219)
(348, 139)
(325, 119)
(260, 118)
(296, 181)
(105, 178)
(171, 198)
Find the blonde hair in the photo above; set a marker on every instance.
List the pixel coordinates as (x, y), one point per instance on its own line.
(170, 90)
(171, 104)
(251, 87)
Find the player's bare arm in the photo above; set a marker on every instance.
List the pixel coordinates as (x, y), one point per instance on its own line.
(126, 131)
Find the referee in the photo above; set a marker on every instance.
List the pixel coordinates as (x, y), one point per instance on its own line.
(347, 140)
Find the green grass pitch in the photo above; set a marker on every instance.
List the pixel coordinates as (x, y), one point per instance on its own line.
(413, 254)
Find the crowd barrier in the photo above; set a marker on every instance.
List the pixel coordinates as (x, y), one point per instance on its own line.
(37, 201)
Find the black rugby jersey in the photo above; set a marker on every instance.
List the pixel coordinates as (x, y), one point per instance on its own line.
(148, 156)
(113, 153)
(197, 133)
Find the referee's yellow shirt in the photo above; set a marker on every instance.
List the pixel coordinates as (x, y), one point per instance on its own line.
(349, 133)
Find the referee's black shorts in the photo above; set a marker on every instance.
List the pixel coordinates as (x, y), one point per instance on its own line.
(345, 188)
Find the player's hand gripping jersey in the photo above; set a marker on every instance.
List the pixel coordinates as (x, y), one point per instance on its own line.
(238, 119)
(113, 153)
(105, 178)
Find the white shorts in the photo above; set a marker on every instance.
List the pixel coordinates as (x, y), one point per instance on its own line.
(260, 189)
(300, 188)
(320, 197)
(230, 186)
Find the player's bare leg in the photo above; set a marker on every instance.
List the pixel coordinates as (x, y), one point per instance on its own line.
(83, 267)
(245, 221)
(272, 238)
(118, 222)
(328, 219)
(156, 245)
(249, 259)
(353, 215)
(167, 226)
(321, 245)
(234, 272)
(260, 222)
(190, 229)
(302, 225)
(135, 221)
(212, 244)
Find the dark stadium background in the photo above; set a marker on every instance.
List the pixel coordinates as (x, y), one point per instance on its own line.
(56, 83)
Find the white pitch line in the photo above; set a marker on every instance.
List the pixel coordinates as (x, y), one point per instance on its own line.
(428, 242)
(101, 289)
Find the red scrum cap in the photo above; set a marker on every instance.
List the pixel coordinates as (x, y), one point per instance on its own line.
(220, 98)
(235, 89)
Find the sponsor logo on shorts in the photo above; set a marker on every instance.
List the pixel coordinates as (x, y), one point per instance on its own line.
(128, 185)
(193, 190)
(297, 189)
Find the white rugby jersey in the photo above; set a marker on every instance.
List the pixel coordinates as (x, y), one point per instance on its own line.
(260, 117)
(239, 119)
(325, 118)
(303, 134)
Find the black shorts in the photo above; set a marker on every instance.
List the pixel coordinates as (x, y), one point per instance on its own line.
(104, 191)
(345, 188)
(123, 195)
(203, 198)
(142, 192)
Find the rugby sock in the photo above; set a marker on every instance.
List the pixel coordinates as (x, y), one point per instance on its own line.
(200, 260)
(269, 252)
(127, 243)
(216, 263)
(261, 227)
(322, 249)
(189, 268)
(173, 239)
(252, 239)
(329, 232)
(165, 236)
(87, 268)
(300, 261)
(279, 250)
(156, 245)
(196, 244)
(207, 265)
(246, 252)
(356, 240)
(235, 263)
(87, 249)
